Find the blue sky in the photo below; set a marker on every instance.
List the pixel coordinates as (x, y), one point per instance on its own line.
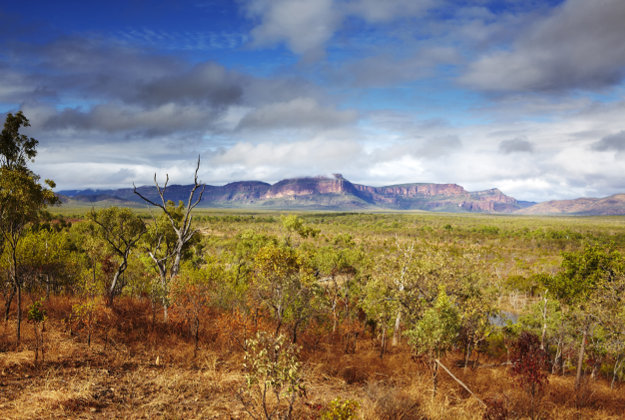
(526, 96)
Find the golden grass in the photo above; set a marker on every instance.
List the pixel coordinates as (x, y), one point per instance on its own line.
(120, 378)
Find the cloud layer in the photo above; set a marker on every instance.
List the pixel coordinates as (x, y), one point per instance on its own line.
(525, 96)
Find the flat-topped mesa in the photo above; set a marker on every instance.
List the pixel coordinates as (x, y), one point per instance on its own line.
(307, 186)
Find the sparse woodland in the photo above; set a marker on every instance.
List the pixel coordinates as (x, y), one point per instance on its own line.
(181, 312)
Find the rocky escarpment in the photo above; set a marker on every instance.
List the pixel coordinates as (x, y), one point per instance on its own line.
(335, 193)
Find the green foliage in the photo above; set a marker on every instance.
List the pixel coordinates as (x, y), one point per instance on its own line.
(15, 148)
(436, 332)
(340, 409)
(293, 223)
(582, 272)
(121, 229)
(273, 377)
(36, 312)
(379, 302)
(285, 284)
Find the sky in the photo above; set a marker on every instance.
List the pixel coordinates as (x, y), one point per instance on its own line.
(524, 95)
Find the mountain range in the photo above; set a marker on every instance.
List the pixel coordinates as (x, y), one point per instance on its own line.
(337, 193)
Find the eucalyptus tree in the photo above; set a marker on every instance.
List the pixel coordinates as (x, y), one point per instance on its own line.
(171, 233)
(337, 265)
(121, 229)
(285, 284)
(23, 199)
(582, 276)
(180, 217)
(16, 149)
(436, 332)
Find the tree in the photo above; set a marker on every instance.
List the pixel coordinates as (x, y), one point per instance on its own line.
(582, 275)
(37, 315)
(22, 200)
(337, 265)
(160, 245)
(121, 229)
(380, 305)
(15, 148)
(285, 284)
(180, 221)
(436, 332)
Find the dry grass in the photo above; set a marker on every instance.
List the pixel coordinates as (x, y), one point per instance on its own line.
(137, 371)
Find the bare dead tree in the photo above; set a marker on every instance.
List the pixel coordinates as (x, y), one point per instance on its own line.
(181, 226)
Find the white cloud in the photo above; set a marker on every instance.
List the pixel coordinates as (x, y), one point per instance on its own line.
(304, 25)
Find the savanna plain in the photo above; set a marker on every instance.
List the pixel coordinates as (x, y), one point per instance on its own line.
(313, 315)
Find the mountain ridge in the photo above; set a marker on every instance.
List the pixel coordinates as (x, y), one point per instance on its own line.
(320, 193)
(338, 193)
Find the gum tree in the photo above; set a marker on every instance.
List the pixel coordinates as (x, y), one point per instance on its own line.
(121, 229)
(171, 234)
(23, 199)
(436, 332)
(582, 276)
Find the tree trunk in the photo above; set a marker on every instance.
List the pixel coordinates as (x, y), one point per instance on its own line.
(617, 364)
(165, 312)
(544, 333)
(19, 312)
(197, 335)
(558, 357)
(162, 271)
(7, 304)
(383, 345)
(36, 342)
(294, 332)
(396, 331)
(114, 289)
(580, 358)
(467, 355)
(434, 380)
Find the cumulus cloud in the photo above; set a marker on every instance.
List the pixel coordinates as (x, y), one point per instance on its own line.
(613, 142)
(304, 25)
(578, 46)
(517, 145)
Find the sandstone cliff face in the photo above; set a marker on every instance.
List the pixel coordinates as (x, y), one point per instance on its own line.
(432, 197)
(305, 186)
(336, 194)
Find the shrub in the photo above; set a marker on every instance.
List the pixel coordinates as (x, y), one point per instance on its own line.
(340, 409)
(529, 366)
(273, 378)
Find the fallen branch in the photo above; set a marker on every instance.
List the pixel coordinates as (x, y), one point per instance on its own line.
(460, 382)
